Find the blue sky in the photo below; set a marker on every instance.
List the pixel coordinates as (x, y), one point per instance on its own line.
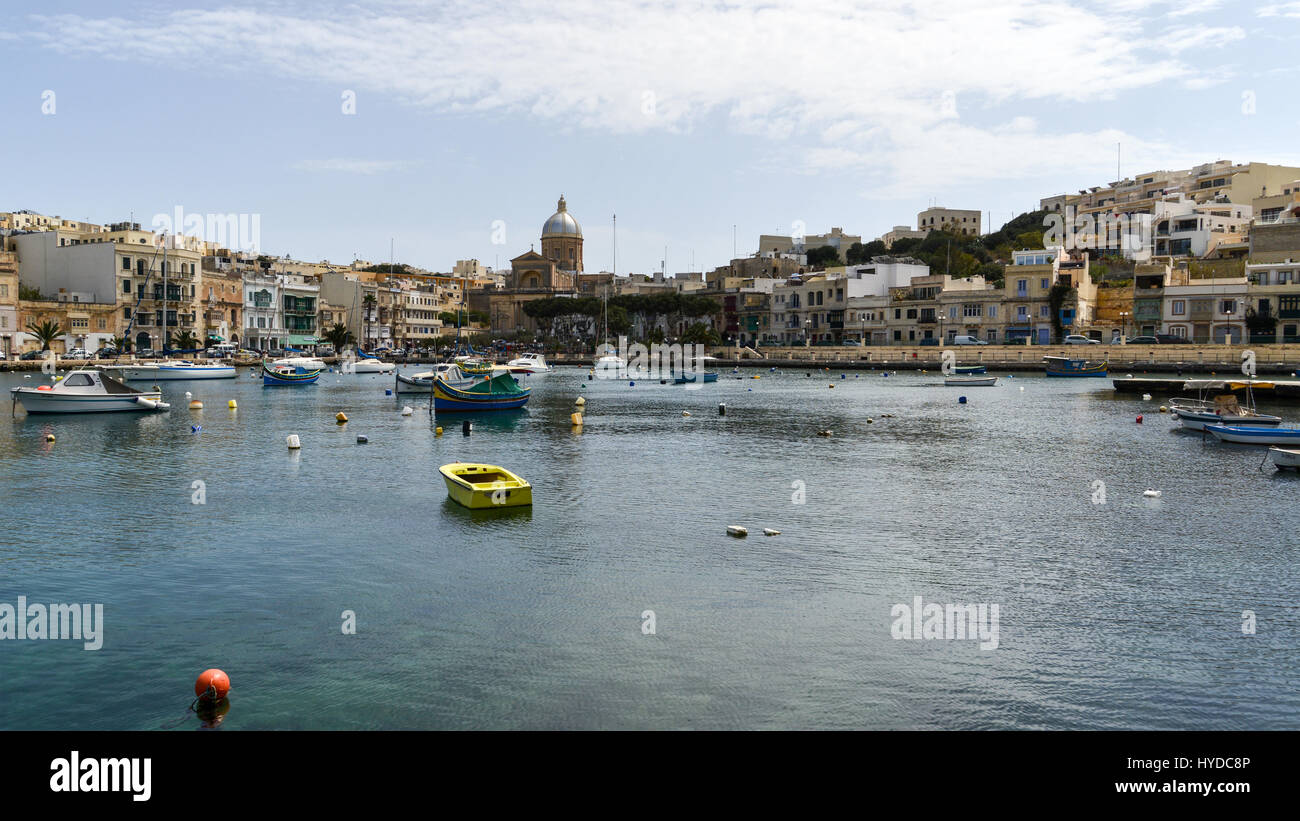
(684, 118)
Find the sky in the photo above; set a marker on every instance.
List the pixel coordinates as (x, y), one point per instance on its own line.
(447, 131)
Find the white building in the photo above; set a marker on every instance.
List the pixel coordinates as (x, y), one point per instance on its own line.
(1183, 227)
(263, 311)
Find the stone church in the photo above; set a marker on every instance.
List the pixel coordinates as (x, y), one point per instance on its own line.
(533, 275)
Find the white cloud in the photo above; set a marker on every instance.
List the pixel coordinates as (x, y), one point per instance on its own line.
(1280, 10)
(816, 73)
(1201, 37)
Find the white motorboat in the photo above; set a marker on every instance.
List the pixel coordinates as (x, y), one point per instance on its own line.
(371, 365)
(530, 363)
(307, 363)
(1285, 457)
(87, 391)
(174, 369)
(970, 381)
(460, 375)
(1195, 414)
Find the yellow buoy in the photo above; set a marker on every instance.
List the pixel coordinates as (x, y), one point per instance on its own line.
(575, 419)
(49, 437)
(196, 405)
(437, 431)
(340, 417)
(232, 404)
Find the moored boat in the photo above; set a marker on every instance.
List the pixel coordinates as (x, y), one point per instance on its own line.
(456, 374)
(368, 363)
(87, 391)
(173, 369)
(481, 486)
(966, 370)
(529, 363)
(1065, 366)
(970, 381)
(1195, 414)
(310, 363)
(1285, 458)
(1255, 435)
(276, 375)
(498, 392)
(691, 376)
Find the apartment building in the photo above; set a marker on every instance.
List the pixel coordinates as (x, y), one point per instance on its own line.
(778, 244)
(954, 220)
(10, 330)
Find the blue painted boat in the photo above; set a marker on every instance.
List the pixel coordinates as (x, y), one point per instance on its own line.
(1253, 435)
(1064, 366)
(275, 375)
(963, 370)
(500, 392)
(684, 378)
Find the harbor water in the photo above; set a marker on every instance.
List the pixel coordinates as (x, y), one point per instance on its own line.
(1116, 610)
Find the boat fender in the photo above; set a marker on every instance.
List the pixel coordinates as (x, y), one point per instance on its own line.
(44, 387)
(212, 685)
(293, 441)
(196, 405)
(737, 531)
(767, 531)
(1151, 493)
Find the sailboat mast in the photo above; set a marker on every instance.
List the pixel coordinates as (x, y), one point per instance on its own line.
(164, 294)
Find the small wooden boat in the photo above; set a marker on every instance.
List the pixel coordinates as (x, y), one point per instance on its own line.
(179, 369)
(1285, 458)
(498, 392)
(1254, 435)
(479, 486)
(689, 376)
(1195, 414)
(1064, 366)
(87, 391)
(275, 375)
(970, 381)
(457, 374)
(966, 370)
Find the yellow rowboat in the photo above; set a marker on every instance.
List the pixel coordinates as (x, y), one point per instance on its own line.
(479, 486)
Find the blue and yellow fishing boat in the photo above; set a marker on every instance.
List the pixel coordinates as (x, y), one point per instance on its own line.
(499, 391)
(1064, 366)
(273, 375)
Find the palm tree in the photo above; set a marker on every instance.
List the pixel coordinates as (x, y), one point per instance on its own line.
(120, 342)
(184, 341)
(46, 331)
(369, 303)
(339, 336)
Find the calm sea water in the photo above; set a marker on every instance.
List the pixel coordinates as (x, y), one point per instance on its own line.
(1126, 614)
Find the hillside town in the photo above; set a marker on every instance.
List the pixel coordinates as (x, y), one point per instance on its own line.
(1209, 254)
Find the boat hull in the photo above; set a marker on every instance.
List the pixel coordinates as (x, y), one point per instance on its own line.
(373, 366)
(970, 382)
(1285, 458)
(685, 378)
(481, 487)
(38, 401)
(965, 370)
(1243, 435)
(482, 397)
(1193, 420)
(168, 373)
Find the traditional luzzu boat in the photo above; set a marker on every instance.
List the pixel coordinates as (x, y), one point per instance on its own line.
(1065, 366)
(1254, 435)
(275, 375)
(457, 374)
(480, 486)
(499, 391)
(87, 391)
(690, 376)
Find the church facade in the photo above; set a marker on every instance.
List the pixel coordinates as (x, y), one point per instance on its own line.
(533, 275)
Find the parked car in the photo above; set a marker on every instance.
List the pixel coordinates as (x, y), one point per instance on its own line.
(1143, 340)
(107, 352)
(30, 355)
(1080, 339)
(77, 353)
(853, 342)
(146, 353)
(968, 340)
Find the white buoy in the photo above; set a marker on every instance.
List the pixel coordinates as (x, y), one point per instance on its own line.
(293, 441)
(1022, 387)
(406, 411)
(1152, 493)
(737, 531)
(767, 531)
(1146, 397)
(580, 402)
(686, 413)
(188, 395)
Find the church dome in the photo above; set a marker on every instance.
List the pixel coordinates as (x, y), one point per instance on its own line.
(561, 223)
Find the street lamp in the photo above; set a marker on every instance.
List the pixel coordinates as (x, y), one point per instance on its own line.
(1123, 330)
(807, 323)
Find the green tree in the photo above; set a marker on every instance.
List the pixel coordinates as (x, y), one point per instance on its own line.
(46, 332)
(184, 341)
(339, 336)
(368, 303)
(823, 256)
(859, 254)
(700, 334)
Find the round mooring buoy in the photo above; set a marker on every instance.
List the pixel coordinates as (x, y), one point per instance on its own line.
(212, 685)
(466, 426)
(341, 417)
(722, 409)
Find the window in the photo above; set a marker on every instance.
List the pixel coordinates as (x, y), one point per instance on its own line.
(970, 310)
(993, 312)
(4, 290)
(78, 380)
(1044, 283)
(126, 286)
(1227, 306)
(102, 324)
(1044, 311)
(126, 263)
(1022, 287)
(1180, 331)
(126, 313)
(952, 311)
(1179, 307)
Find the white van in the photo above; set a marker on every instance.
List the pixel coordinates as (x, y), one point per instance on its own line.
(222, 350)
(968, 340)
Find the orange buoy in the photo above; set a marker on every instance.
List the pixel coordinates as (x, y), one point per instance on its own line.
(212, 685)
(1139, 419)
